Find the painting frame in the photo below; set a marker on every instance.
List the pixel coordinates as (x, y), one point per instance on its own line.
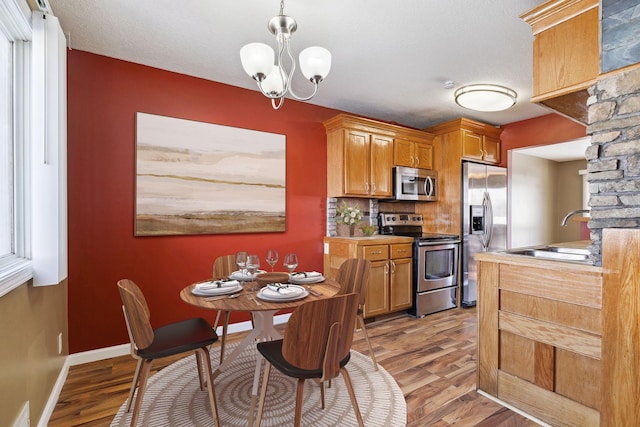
(195, 177)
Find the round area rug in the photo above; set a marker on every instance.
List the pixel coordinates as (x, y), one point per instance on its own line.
(173, 396)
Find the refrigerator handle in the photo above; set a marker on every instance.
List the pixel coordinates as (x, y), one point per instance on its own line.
(488, 218)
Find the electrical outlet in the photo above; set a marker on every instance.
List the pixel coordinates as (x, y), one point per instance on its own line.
(60, 343)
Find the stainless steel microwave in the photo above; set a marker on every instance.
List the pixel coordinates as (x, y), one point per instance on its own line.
(414, 184)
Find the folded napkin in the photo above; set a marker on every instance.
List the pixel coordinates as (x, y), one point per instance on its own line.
(306, 274)
(215, 284)
(282, 289)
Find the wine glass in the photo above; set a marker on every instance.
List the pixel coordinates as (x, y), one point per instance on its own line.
(241, 261)
(253, 263)
(291, 262)
(272, 258)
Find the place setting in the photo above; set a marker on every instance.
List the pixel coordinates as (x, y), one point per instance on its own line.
(216, 287)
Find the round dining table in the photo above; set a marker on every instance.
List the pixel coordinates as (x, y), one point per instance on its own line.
(262, 312)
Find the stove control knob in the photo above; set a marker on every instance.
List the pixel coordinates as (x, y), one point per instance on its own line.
(393, 218)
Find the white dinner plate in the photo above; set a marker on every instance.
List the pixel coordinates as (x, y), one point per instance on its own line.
(224, 290)
(238, 275)
(267, 294)
(305, 280)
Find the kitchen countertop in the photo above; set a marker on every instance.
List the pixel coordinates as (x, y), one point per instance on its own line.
(548, 264)
(375, 239)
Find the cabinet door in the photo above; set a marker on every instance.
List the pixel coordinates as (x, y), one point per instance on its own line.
(471, 145)
(567, 55)
(381, 163)
(356, 163)
(491, 148)
(377, 299)
(423, 155)
(403, 153)
(400, 284)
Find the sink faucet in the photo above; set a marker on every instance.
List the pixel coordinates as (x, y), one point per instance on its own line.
(572, 213)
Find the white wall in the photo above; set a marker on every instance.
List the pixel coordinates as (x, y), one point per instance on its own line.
(569, 195)
(541, 193)
(532, 198)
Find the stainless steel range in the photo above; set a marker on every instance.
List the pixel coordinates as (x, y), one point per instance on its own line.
(435, 262)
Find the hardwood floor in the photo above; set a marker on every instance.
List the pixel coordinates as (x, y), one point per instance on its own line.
(432, 359)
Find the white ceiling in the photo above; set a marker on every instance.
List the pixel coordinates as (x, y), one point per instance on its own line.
(390, 58)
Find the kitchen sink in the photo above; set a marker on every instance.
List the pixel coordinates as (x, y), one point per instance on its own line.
(556, 253)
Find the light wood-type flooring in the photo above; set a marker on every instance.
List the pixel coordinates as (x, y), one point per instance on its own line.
(432, 359)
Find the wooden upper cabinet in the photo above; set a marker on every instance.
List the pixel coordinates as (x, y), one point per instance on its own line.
(412, 154)
(566, 54)
(471, 145)
(492, 149)
(483, 148)
(361, 155)
(356, 162)
(381, 166)
(424, 155)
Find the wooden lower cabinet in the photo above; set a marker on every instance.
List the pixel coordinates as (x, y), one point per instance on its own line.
(390, 280)
(540, 337)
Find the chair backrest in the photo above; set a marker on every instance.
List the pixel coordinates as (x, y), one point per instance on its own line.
(353, 276)
(136, 313)
(224, 265)
(319, 333)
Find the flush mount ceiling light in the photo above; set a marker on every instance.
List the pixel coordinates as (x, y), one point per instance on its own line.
(273, 80)
(485, 97)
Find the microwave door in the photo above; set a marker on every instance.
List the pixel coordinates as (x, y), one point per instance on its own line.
(409, 186)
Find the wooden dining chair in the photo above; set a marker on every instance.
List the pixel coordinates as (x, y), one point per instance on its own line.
(148, 344)
(353, 276)
(223, 266)
(316, 345)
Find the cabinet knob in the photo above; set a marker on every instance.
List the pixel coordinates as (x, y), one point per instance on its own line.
(393, 267)
(417, 161)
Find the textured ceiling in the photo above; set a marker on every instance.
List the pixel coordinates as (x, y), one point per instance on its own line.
(390, 58)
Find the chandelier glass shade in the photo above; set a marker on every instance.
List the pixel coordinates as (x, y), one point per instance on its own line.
(485, 97)
(268, 70)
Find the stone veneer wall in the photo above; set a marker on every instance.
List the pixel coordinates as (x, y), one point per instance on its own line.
(614, 156)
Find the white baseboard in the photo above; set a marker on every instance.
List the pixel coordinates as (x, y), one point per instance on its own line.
(115, 351)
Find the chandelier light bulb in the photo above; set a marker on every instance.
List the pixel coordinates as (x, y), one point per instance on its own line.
(257, 60)
(273, 84)
(315, 63)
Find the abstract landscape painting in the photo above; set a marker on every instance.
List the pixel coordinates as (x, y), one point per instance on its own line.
(202, 178)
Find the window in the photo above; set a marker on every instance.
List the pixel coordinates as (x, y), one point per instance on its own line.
(6, 148)
(15, 31)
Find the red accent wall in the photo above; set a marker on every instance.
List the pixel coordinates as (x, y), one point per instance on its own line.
(103, 96)
(544, 130)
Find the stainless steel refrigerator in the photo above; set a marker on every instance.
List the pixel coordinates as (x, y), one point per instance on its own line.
(484, 220)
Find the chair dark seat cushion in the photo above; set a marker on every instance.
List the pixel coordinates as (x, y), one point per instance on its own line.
(180, 337)
(272, 352)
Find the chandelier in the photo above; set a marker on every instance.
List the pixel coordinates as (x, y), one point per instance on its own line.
(274, 81)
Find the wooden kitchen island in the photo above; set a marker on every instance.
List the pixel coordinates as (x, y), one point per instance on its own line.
(559, 340)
